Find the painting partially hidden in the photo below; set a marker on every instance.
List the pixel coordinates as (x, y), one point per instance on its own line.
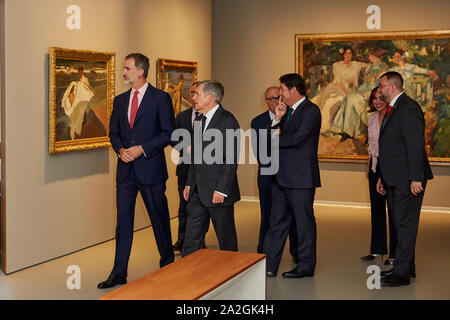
(176, 78)
(81, 94)
(340, 71)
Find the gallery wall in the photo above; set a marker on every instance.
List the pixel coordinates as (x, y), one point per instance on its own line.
(57, 204)
(252, 52)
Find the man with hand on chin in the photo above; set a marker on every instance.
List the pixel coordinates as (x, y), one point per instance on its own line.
(297, 178)
(141, 126)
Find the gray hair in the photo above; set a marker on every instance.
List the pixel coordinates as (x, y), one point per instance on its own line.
(140, 61)
(213, 87)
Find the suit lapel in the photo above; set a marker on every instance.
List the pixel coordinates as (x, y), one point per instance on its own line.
(188, 120)
(295, 114)
(126, 104)
(267, 120)
(216, 118)
(394, 109)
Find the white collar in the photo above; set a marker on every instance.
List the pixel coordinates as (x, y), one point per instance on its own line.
(297, 103)
(395, 99)
(211, 112)
(141, 90)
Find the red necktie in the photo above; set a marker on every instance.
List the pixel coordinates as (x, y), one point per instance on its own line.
(389, 108)
(198, 115)
(134, 108)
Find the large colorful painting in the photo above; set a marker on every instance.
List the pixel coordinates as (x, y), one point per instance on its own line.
(340, 71)
(176, 78)
(80, 99)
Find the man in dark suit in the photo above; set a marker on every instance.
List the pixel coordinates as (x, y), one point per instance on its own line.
(184, 120)
(212, 187)
(404, 170)
(297, 178)
(141, 125)
(260, 124)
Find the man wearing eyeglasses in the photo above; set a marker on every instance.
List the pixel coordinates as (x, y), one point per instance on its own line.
(259, 124)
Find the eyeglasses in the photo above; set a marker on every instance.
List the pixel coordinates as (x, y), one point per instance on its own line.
(273, 99)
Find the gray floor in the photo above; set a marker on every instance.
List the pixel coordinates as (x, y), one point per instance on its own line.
(343, 236)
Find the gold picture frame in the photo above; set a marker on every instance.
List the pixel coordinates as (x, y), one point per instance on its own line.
(176, 78)
(419, 56)
(81, 94)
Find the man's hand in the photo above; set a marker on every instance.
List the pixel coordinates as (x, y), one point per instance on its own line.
(125, 156)
(217, 198)
(416, 187)
(276, 132)
(186, 192)
(135, 151)
(380, 187)
(280, 110)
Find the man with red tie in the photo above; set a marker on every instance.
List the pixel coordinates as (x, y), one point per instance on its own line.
(404, 171)
(141, 126)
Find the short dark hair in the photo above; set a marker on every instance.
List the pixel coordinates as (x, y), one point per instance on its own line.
(345, 48)
(213, 87)
(371, 98)
(395, 77)
(140, 61)
(291, 80)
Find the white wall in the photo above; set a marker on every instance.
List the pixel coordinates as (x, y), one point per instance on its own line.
(56, 204)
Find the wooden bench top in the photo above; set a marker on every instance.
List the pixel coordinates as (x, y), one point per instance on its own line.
(188, 278)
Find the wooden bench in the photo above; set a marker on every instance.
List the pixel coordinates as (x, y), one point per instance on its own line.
(204, 274)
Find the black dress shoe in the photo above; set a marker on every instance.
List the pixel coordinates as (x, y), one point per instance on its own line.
(389, 262)
(368, 257)
(111, 282)
(388, 273)
(178, 245)
(297, 273)
(271, 274)
(395, 281)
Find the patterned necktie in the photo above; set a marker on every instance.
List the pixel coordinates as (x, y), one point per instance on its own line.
(134, 108)
(389, 108)
(198, 116)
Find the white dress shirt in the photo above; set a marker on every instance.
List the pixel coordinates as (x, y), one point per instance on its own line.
(141, 92)
(209, 116)
(395, 99)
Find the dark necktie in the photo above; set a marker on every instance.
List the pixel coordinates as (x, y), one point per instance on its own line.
(203, 123)
(134, 108)
(198, 116)
(289, 113)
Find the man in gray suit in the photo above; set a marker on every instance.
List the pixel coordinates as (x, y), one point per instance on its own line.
(212, 186)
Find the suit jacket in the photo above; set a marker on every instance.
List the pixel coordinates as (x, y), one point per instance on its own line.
(299, 140)
(402, 155)
(152, 129)
(262, 121)
(183, 121)
(207, 178)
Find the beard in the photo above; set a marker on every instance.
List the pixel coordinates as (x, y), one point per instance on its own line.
(128, 80)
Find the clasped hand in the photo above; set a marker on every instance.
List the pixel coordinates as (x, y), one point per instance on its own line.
(128, 155)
